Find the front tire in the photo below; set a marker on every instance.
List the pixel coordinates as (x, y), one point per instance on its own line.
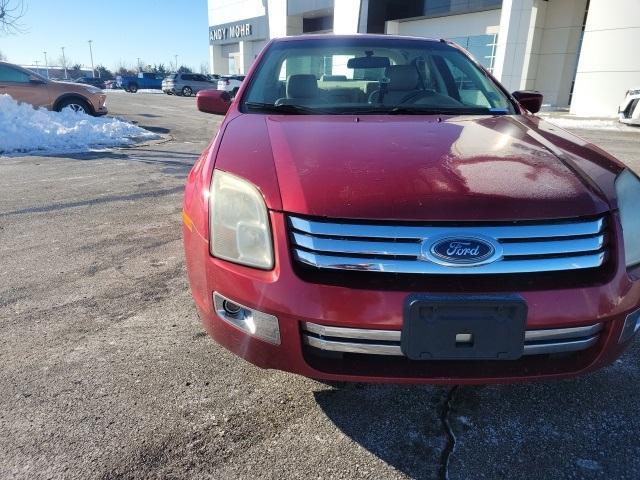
(133, 88)
(187, 91)
(75, 104)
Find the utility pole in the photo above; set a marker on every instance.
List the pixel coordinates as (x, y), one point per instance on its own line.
(64, 61)
(176, 63)
(36, 62)
(139, 69)
(93, 72)
(46, 63)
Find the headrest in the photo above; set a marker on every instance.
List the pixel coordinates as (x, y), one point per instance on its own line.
(402, 77)
(333, 78)
(302, 86)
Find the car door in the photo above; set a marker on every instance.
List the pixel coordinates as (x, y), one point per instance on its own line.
(201, 83)
(23, 86)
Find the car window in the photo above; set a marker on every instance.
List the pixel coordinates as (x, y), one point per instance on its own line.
(469, 90)
(9, 74)
(373, 75)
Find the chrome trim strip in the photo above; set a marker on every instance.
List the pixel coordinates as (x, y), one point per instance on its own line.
(394, 335)
(394, 350)
(337, 339)
(360, 333)
(553, 247)
(362, 247)
(532, 265)
(561, 347)
(542, 230)
(349, 347)
(561, 333)
(413, 249)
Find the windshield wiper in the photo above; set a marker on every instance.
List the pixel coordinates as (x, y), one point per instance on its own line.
(402, 110)
(284, 108)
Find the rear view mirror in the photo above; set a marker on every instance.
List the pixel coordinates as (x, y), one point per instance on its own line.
(213, 101)
(529, 99)
(368, 62)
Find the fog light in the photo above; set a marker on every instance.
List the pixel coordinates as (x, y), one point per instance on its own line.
(231, 308)
(254, 322)
(631, 326)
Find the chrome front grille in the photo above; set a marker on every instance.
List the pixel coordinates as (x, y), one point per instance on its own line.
(382, 247)
(387, 342)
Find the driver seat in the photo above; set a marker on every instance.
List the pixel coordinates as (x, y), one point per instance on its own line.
(403, 81)
(302, 89)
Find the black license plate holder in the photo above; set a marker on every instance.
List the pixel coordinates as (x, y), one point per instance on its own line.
(463, 327)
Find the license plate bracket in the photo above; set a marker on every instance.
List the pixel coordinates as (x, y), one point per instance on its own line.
(464, 327)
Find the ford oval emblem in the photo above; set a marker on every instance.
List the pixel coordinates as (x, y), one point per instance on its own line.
(462, 250)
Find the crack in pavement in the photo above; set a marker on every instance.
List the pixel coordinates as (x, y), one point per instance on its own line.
(450, 447)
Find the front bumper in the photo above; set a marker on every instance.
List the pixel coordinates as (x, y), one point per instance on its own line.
(298, 303)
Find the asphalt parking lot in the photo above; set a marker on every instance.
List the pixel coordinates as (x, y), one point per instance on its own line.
(106, 371)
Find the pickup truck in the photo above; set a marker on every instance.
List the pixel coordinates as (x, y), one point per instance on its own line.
(133, 83)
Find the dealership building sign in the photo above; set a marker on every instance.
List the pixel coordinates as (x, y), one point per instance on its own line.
(250, 29)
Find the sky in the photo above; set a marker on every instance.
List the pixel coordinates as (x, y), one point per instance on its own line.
(121, 30)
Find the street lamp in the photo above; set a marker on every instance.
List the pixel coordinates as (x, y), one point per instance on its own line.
(46, 63)
(93, 72)
(176, 63)
(139, 69)
(36, 62)
(64, 62)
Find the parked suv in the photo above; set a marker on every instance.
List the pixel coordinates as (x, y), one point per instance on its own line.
(186, 84)
(629, 110)
(230, 83)
(406, 219)
(29, 87)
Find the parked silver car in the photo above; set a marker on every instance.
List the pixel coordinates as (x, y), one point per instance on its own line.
(186, 84)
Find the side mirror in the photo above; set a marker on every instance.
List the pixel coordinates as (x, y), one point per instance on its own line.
(213, 101)
(529, 99)
(35, 81)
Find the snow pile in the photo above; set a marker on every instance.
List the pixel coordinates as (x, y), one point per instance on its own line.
(24, 129)
(577, 123)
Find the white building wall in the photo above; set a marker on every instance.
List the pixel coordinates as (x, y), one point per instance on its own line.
(518, 20)
(277, 13)
(556, 50)
(226, 11)
(480, 23)
(609, 60)
(346, 16)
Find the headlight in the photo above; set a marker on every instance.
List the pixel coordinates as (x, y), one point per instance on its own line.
(628, 191)
(238, 222)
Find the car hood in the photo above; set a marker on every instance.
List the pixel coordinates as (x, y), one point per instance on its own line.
(72, 87)
(413, 168)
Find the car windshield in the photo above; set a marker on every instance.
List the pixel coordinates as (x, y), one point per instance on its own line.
(371, 75)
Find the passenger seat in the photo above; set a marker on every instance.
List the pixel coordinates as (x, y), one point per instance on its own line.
(302, 89)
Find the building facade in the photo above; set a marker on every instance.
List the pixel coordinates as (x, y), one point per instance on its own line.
(579, 53)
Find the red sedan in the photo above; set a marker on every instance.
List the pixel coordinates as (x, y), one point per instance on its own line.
(378, 208)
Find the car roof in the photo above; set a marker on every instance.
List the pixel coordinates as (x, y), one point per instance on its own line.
(332, 36)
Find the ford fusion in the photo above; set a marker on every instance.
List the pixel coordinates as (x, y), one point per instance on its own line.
(378, 208)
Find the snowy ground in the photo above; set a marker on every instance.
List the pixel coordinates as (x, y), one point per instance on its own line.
(24, 129)
(144, 90)
(580, 123)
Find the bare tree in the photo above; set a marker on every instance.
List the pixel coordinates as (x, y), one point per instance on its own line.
(64, 61)
(11, 11)
(204, 68)
(3, 57)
